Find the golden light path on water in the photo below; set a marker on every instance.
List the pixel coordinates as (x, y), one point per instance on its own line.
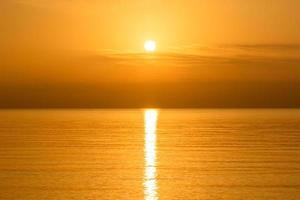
(150, 184)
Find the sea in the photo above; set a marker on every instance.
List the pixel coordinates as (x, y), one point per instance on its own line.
(150, 154)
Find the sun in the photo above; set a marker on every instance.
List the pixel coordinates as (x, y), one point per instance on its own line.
(150, 46)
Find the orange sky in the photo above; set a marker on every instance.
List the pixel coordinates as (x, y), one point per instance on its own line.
(123, 25)
(47, 43)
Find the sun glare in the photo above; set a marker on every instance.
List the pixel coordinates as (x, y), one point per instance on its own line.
(150, 183)
(150, 46)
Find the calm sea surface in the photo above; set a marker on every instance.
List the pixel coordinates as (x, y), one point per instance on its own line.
(149, 154)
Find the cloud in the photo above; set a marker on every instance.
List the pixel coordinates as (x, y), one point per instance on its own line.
(90, 79)
(220, 55)
(227, 63)
(281, 47)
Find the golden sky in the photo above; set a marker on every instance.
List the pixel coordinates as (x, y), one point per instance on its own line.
(53, 44)
(124, 24)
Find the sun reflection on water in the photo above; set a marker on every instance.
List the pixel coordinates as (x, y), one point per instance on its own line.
(150, 184)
